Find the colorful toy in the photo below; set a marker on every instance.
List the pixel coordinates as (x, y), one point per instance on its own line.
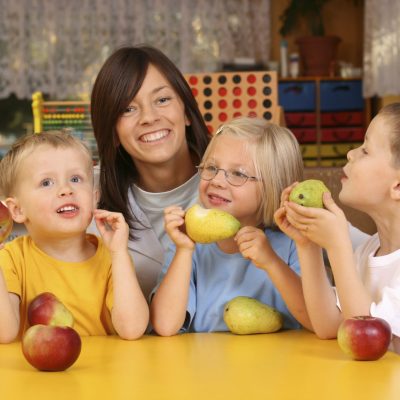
(222, 96)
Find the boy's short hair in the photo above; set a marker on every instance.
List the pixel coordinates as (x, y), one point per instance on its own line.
(11, 162)
(391, 113)
(276, 155)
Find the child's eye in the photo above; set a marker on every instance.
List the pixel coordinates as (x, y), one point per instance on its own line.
(210, 168)
(76, 179)
(238, 173)
(46, 182)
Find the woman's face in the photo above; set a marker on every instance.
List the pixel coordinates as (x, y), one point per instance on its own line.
(152, 128)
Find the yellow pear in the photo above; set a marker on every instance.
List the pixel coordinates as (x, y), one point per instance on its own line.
(209, 225)
(245, 315)
(309, 193)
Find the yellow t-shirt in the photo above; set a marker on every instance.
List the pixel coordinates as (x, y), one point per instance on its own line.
(85, 288)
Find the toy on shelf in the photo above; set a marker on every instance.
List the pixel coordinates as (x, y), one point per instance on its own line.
(70, 115)
(222, 96)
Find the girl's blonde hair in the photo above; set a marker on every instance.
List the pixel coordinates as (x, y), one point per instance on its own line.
(276, 156)
(11, 163)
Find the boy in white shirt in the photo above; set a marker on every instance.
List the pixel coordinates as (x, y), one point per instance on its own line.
(367, 283)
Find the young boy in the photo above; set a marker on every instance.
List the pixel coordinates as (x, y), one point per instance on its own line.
(369, 282)
(47, 182)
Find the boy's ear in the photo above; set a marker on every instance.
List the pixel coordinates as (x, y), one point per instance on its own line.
(15, 209)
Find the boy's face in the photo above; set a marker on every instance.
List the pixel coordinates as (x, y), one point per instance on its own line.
(54, 194)
(231, 154)
(369, 176)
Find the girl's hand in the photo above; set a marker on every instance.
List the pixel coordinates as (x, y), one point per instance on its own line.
(254, 245)
(326, 227)
(113, 229)
(174, 218)
(283, 223)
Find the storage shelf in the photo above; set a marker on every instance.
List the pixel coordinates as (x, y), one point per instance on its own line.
(327, 115)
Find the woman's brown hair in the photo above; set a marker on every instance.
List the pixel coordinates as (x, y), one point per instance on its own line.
(116, 85)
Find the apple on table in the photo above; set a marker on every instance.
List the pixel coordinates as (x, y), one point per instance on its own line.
(364, 338)
(51, 348)
(47, 309)
(50, 344)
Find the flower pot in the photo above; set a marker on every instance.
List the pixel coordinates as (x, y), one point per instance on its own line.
(318, 54)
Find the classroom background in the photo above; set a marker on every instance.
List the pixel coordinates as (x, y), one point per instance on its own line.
(256, 52)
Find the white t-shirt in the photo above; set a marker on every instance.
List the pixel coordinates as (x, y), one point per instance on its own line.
(381, 276)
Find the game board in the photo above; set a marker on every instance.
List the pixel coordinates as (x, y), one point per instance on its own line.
(222, 96)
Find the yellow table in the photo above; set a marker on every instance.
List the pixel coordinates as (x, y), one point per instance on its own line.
(285, 365)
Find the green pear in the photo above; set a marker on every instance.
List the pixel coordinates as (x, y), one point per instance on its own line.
(309, 193)
(245, 316)
(209, 225)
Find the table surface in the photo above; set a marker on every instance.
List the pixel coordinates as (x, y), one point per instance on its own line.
(285, 365)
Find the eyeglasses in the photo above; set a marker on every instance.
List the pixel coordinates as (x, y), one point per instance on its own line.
(233, 177)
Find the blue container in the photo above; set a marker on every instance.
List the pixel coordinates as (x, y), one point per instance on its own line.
(297, 96)
(341, 95)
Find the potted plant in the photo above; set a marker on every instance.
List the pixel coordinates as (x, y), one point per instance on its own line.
(317, 50)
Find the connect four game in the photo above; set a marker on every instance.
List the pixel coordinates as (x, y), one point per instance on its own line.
(222, 96)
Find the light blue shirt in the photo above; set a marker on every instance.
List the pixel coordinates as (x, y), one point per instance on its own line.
(217, 277)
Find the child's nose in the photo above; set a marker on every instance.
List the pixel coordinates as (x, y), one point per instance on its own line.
(219, 178)
(350, 154)
(65, 190)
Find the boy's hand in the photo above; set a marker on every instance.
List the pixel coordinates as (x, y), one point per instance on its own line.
(113, 229)
(283, 223)
(174, 218)
(326, 227)
(254, 245)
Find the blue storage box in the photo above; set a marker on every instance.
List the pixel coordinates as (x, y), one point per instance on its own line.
(341, 95)
(297, 96)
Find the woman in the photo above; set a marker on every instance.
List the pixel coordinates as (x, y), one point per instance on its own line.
(150, 136)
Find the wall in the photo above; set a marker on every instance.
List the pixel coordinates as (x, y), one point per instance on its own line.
(343, 18)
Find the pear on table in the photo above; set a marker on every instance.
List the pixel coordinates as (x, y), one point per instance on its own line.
(246, 315)
(309, 193)
(209, 225)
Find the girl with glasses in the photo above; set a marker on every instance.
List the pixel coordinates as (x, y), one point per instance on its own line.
(243, 171)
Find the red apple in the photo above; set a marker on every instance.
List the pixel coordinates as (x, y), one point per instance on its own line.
(364, 338)
(6, 222)
(51, 348)
(47, 309)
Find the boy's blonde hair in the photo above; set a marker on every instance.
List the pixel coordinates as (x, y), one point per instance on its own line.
(276, 156)
(10, 164)
(391, 113)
